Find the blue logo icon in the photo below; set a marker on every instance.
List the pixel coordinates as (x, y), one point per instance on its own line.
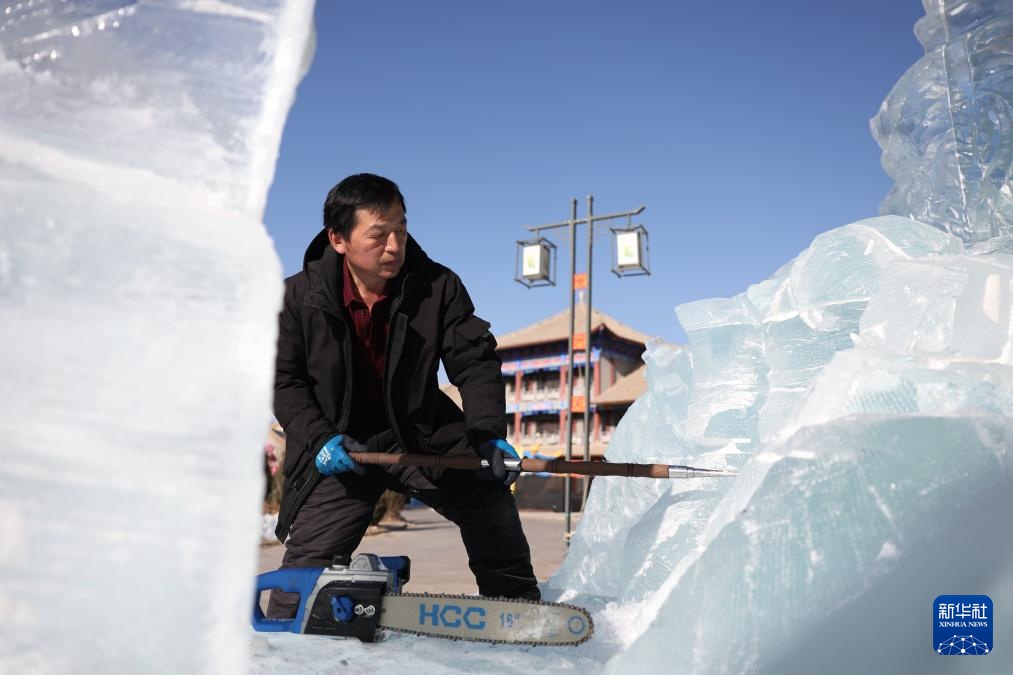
(962, 625)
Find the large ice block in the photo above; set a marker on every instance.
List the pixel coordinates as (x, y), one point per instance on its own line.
(616, 552)
(950, 305)
(823, 518)
(896, 438)
(138, 296)
(893, 446)
(729, 369)
(814, 308)
(738, 387)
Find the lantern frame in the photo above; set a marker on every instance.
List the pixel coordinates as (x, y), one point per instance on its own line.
(548, 275)
(644, 250)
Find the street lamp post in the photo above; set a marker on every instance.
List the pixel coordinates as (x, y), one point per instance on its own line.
(542, 273)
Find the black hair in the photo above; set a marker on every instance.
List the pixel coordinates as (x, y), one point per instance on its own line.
(361, 191)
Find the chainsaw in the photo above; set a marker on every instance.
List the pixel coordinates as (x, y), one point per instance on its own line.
(360, 597)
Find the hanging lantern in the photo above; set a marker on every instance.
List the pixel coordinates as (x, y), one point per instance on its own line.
(535, 264)
(630, 251)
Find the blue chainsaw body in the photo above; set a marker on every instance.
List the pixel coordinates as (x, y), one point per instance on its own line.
(343, 599)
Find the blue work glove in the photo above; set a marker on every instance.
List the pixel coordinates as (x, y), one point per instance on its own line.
(333, 458)
(495, 451)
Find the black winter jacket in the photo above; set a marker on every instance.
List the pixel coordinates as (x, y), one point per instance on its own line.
(431, 319)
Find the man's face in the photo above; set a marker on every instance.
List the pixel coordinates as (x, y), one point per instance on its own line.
(375, 248)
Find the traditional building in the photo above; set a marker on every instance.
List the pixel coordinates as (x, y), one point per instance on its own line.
(534, 370)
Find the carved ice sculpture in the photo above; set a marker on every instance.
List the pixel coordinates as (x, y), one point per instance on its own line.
(946, 129)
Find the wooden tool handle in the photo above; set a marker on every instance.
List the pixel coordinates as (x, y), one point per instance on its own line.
(596, 468)
(431, 461)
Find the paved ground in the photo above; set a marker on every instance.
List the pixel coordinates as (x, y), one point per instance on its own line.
(439, 563)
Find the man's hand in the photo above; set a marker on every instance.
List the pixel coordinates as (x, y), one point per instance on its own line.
(333, 458)
(495, 451)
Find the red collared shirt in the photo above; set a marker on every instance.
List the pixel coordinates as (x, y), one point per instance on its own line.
(369, 354)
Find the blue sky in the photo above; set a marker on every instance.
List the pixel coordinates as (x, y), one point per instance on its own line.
(742, 127)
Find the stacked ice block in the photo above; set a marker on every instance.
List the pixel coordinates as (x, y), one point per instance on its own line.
(138, 296)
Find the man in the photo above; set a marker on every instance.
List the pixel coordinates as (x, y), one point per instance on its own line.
(361, 334)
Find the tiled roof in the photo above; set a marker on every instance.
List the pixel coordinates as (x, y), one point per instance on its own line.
(627, 389)
(556, 328)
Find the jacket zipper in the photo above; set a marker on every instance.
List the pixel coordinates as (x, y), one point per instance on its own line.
(312, 477)
(398, 335)
(346, 352)
(390, 363)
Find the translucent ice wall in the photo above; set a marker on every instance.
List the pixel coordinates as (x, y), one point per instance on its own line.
(865, 391)
(946, 129)
(138, 295)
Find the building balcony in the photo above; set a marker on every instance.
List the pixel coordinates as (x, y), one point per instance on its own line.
(540, 395)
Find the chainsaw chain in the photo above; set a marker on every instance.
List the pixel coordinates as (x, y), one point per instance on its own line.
(519, 601)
